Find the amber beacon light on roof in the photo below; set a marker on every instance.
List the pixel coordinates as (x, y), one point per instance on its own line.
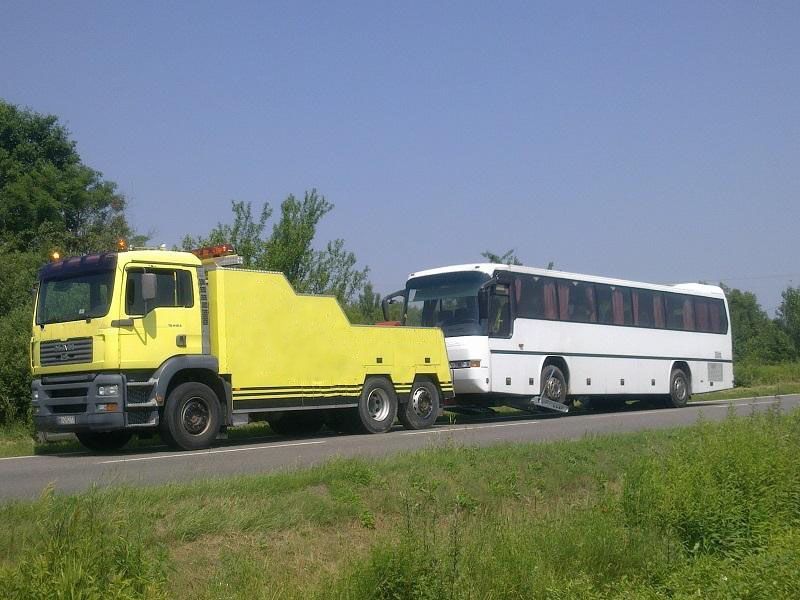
(214, 251)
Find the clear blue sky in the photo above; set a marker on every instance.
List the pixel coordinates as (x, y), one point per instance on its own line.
(656, 141)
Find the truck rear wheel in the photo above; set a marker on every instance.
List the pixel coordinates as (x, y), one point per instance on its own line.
(104, 441)
(422, 408)
(377, 406)
(192, 416)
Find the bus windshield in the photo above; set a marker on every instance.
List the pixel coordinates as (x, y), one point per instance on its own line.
(74, 292)
(448, 300)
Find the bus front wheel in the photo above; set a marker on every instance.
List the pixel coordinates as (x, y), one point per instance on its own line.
(554, 384)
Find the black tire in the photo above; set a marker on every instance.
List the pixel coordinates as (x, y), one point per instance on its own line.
(554, 384)
(422, 408)
(192, 416)
(679, 390)
(300, 422)
(377, 406)
(104, 441)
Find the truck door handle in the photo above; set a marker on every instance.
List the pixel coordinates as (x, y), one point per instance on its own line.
(180, 341)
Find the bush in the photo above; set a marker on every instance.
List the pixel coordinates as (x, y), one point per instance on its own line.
(727, 490)
(749, 374)
(81, 551)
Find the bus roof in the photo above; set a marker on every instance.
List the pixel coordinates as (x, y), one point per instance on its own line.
(699, 289)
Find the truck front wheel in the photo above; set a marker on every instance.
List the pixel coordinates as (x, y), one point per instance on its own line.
(192, 416)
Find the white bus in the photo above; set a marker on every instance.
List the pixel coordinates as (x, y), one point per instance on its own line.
(517, 333)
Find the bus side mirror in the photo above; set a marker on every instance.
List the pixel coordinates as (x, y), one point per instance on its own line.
(148, 286)
(392, 298)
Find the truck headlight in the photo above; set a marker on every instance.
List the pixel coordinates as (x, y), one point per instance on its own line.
(108, 390)
(465, 364)
(35, 395)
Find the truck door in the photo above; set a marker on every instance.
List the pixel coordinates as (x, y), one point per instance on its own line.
(168, 325)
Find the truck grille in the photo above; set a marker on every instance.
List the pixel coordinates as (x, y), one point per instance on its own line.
(72, 351)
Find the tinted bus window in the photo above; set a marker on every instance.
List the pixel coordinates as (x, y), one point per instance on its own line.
(680, 312)
(605, 313)
(576, 301)
(621, 305)
(536, 297)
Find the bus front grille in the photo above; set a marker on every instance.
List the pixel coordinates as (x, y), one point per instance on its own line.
(69, 352)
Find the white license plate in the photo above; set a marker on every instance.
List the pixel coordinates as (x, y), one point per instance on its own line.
(66, 420)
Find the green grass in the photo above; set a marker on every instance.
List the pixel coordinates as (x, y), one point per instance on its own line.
(710, 511)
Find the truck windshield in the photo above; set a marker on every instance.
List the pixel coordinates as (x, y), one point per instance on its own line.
(75, 289)
(449, 301)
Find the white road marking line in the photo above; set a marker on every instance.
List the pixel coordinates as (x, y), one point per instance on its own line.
(468, 427)
(206, 452)
(19, 457)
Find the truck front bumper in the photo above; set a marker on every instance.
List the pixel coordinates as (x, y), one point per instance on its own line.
(72, 403)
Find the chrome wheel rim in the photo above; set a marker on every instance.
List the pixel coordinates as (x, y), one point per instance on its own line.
(196, 416)
(378, 404)
(422, 402)
(679, 388)
(553, 389)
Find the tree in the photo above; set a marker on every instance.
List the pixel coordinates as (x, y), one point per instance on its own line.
(48, 199)
(755, 336)
(289, 248)
(509, 258)
(367, 307)
(788, 314)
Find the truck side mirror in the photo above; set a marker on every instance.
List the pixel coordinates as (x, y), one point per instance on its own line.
(148, 286)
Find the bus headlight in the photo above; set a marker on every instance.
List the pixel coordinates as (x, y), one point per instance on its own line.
(465, 364)
(108, 390)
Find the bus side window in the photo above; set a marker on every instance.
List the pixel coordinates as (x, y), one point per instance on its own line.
(621, 305)
(605, 313)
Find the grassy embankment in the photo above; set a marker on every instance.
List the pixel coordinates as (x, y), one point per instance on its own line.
(752, 380)
(711, 511)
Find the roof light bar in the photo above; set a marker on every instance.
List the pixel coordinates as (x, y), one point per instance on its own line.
(213, 251)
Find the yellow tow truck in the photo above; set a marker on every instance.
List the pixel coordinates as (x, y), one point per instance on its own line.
(188, 344)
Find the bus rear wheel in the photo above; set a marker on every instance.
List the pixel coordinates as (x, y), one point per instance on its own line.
(104, 441)
(679, 390)
(422, 408)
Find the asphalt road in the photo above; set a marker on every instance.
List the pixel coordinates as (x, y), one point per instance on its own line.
(27, 476)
